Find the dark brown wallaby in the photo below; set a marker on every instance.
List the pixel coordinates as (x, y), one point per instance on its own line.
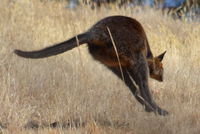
(134, 54)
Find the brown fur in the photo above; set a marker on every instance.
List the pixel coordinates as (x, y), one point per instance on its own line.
(133, 49)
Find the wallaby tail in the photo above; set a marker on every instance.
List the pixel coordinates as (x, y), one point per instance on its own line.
(55, 49)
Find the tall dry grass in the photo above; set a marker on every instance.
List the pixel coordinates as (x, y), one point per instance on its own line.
(75, 90)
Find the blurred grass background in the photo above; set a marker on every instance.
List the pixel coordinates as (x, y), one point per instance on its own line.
(72, 87)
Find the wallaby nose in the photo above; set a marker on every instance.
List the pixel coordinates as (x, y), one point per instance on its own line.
(161, 79)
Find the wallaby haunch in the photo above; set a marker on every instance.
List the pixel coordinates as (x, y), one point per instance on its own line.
(135, 59)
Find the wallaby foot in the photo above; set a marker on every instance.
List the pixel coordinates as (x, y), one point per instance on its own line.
(156, 110)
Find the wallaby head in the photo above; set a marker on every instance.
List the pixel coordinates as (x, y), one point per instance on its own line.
(156, 67)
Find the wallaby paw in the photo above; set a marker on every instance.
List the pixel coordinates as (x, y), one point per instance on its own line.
(162, 112)
(157, 110)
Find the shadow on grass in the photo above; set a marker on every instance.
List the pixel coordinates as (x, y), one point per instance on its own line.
(76, 123)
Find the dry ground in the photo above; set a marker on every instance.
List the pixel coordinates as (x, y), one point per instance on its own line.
(80, 93)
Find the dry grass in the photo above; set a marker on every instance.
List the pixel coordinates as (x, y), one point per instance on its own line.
(79, 92)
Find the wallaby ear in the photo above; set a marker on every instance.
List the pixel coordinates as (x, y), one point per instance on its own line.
(161, 56)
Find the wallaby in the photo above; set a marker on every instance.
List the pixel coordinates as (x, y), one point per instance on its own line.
(133, 59)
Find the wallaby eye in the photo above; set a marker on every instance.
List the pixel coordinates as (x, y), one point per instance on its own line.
(151, 68)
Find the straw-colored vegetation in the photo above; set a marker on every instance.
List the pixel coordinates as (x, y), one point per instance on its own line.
(79, 92)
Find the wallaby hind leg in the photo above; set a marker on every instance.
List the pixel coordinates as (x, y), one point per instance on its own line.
(139, 72)
(130, 84)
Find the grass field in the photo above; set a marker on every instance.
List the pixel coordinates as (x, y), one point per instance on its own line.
(80, 93)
